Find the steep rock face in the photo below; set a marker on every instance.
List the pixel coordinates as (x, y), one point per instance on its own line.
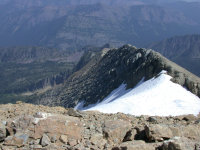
(112, 67)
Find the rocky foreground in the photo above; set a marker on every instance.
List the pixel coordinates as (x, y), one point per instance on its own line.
(26, 126)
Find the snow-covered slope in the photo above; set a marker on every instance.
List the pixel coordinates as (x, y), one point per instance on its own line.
(157, 96)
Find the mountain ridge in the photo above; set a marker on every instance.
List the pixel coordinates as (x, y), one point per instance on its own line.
(109, 69)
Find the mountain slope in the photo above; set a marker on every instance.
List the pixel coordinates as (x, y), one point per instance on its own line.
(25, 70)
(109, 69)
(158, 97)
(73, 24)
(183, 50)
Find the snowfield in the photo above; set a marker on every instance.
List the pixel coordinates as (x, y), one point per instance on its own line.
(157, 96)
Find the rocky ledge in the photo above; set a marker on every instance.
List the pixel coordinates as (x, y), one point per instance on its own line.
(26, 126)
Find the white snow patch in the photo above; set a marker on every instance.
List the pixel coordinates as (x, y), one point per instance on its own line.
(158, 96)
(41, 116)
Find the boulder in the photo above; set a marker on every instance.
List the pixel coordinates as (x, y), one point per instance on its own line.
(19, 140)
(45, 140)
(135, 145)
(72, 142)
(2, 132)
(131, 135)
(152, 120)
(189, 118)
(97, 139)
(191, 131)
(57, 126)
(115, 130)
(63, 139)
(178, 143)
(161, 132)
(158, 132)
(74, 113)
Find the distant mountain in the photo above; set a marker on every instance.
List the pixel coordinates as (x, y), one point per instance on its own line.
(108, 70)
(29, 70)
(32, 69)
(184, 50)
(69, 24)
(32, 54)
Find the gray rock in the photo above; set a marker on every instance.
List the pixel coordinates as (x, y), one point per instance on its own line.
(115, 130)
(135, 145)
(197, 146)
(152, 120)
(2, 132)
(45, 140)
(18, 140)
(36, 147)
(178, 143)
(64, 139)
(53, 139)
(74, 113)
(130, 135)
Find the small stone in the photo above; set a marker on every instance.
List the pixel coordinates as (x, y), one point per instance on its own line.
(197, 121)
(197, 146)
(53, 139)
(64, 139)
(152, 120)
(98, 140)
(72, 142)
(35, 147)
(45, 140)
(19, 102)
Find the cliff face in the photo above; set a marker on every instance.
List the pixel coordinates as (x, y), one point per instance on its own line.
(112, 67)
(27, 126)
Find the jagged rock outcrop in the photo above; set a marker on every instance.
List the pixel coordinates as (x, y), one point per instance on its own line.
(40, 127)
(109, 69)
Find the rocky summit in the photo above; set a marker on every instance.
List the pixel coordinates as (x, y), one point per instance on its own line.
(110, 68)
(26, 126)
